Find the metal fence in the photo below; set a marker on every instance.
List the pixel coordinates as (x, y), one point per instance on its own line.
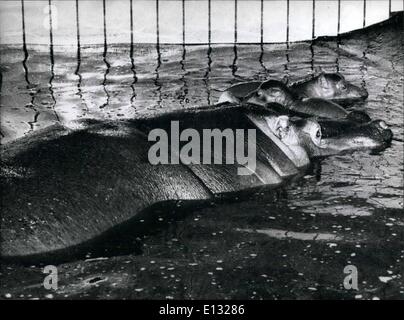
(186, 21)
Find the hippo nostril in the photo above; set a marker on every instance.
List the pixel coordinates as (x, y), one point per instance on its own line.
(383, 125)
(379, 131)
(380, 125)
(383, 128)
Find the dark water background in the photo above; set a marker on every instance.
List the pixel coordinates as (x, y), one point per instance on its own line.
(292, 243)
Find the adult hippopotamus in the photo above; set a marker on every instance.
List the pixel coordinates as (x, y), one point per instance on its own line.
(64, 188)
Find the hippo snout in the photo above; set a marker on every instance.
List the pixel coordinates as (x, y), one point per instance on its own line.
(359, 91)
(355, 93)
(343, 136)
(363, 93)
(383, 129)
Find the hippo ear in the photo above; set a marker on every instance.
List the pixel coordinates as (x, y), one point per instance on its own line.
(323, 81)
(282, 124)
(285, 80)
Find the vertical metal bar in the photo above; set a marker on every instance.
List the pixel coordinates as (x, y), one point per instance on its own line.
(287, 21)
(235, 21)
(313, 33)
(183, 22)
(105, 27)
(364, 13)
(50, 33)
(209, 22)
(261, 58)
(338, 35)
(389, 8)
(157, 28)
(262, 21)
(78, 39)
(339, 17)
(157, 24)
(313, 29)
(131, 28)
(287, 35)
(24, 43)
(78, 29)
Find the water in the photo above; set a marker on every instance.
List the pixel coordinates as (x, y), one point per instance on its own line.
(293, 243)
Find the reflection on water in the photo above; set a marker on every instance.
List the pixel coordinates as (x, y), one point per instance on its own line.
(52, 62)
(77, 71)
(206, 77)
(352, 203)
(31, 104)
(132, 61)
(158, 52)
(312, 56)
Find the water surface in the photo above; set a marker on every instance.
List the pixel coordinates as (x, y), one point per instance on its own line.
(290, 243)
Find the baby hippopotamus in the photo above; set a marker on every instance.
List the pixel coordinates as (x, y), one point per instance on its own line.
(277, 93)
(327, 137)
(330, 86)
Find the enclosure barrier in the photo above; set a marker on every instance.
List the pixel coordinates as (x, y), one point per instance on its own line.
(186, 21)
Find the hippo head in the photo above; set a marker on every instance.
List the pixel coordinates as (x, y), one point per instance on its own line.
(313, 137)
(284, 129)
(272, 91)
(374, 135)
(333, 86)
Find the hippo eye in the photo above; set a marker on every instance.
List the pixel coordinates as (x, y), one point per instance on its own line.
(318, 134)
(343, 86)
